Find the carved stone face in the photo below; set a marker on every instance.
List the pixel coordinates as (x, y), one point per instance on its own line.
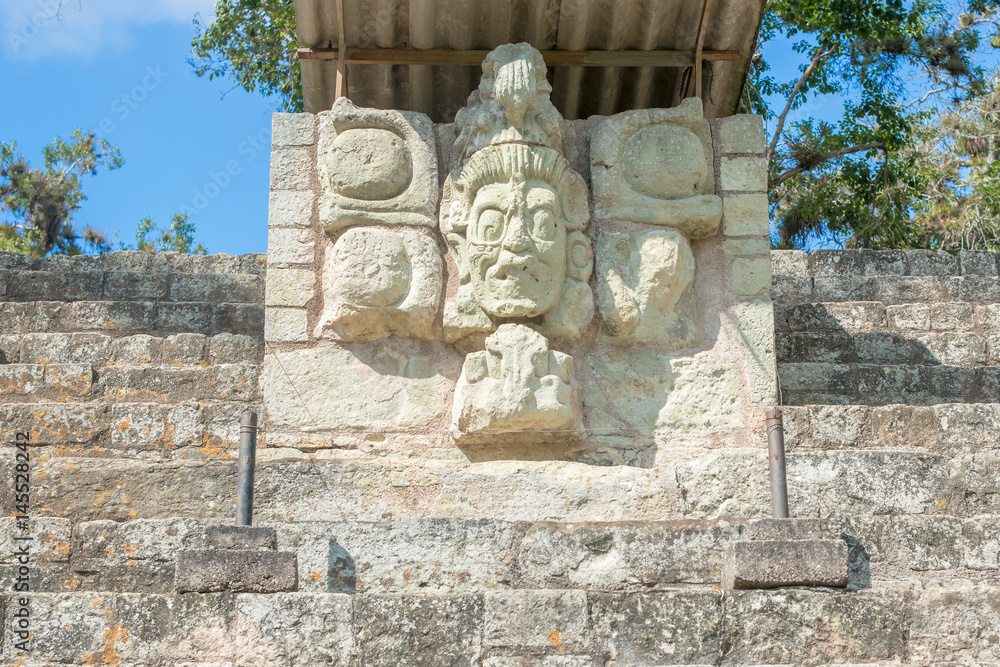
(517, 247)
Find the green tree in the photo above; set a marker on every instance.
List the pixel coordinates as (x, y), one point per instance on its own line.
(179, 237)
(39, 203)
(862, 180)
(252, 42)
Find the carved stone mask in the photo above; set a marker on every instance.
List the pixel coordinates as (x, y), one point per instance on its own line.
(512, 216)
(517, 247)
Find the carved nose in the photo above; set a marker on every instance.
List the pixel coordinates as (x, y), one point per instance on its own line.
(516, 239)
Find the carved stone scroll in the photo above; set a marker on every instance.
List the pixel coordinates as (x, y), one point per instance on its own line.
(376, 167)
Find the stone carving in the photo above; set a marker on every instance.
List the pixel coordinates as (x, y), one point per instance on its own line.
(641, 278)
(651, 166)
(380, 282)
(514, 211)
(376, 167)
(511, 105)
(517, 384)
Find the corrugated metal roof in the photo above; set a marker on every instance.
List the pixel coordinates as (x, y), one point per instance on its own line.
(568, 25)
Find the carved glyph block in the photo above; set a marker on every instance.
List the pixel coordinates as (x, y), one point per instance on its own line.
(516, 385)
(654, 166)
(376, 167)
(379, 282)
(642, 278)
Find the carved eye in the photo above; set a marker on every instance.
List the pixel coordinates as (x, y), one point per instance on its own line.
(544, 225)
(489, 226)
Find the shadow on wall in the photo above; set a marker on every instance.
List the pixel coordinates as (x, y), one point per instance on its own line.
(341, 572)
(868, 353)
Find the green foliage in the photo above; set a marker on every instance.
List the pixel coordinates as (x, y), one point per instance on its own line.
(253, 43)
(40, 203)
(861, 181)
(179, 237)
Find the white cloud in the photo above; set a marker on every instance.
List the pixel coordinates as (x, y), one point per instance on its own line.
(45, 28)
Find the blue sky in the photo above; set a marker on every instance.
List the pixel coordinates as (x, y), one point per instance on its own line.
(118, 68)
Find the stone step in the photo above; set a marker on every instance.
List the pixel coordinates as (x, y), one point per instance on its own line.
(819, 382)
(884, 263)
(855, 317)
(884, 348)
(97, 349)
(126, 318)
(516, 628)
(139, 263)
(950, 429)
(719, 484)
(890, 290)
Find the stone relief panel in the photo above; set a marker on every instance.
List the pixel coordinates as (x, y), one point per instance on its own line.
(653, 166)
(641, 279)
(378, 282)
(516, 387)
(376, 167)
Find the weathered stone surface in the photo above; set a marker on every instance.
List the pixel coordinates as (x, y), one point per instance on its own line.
(295, 629)
(379, 282)
(55, 423)
(828, 627)
(777, 563)
(956, 626)
(750, 275)
(184, 349)
(642, 277)
(742, 133)
(743, 174)
(646, 628)
(289, 287)
(289, 245)
(290, 208)
(409, 629)
(978, 263)
(54, 348)
(756, 335)
(981, 541)
(624, 555)
(429, 556)
(97, 545)
(517, 385)
(650, 166)
(644, 388)
(556, 620)
(401, 384)
(376, 167)
(286, 325)
(247, 538)
(291, 168)
(216, 570)
(293, 129)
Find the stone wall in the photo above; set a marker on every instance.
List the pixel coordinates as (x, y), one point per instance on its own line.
(130, 372)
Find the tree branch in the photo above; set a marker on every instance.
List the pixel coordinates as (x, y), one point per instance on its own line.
(830, 156)
(821, 53)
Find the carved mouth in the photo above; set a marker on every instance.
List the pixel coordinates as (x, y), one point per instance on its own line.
(517, 268)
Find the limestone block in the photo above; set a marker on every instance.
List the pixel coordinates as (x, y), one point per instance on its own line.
(380, 282)
(401, 384)
(418, 630)
(514, 217)
(285, 325)
(777, 563)
(653, 166)
(294, 629)
(290, 208)
(756, 333)
(641, 288)
(289, 287)
(293, 129)
(746, 246)
(291, 168)
(742, 133)
(536, 619)
(751, 275)
(289, 246)
(376, 167)
(213, 570)
(744, 174)
(644, 388)
(517, 384)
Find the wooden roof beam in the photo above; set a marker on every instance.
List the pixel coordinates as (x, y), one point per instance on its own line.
(356, 56)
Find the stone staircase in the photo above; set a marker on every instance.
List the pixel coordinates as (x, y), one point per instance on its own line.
(409, 559)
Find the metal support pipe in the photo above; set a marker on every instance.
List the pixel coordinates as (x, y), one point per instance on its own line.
(776, 462)
(244, 484)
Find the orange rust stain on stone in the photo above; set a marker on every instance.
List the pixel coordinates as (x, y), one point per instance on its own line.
(555, 638)
(108, 655)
